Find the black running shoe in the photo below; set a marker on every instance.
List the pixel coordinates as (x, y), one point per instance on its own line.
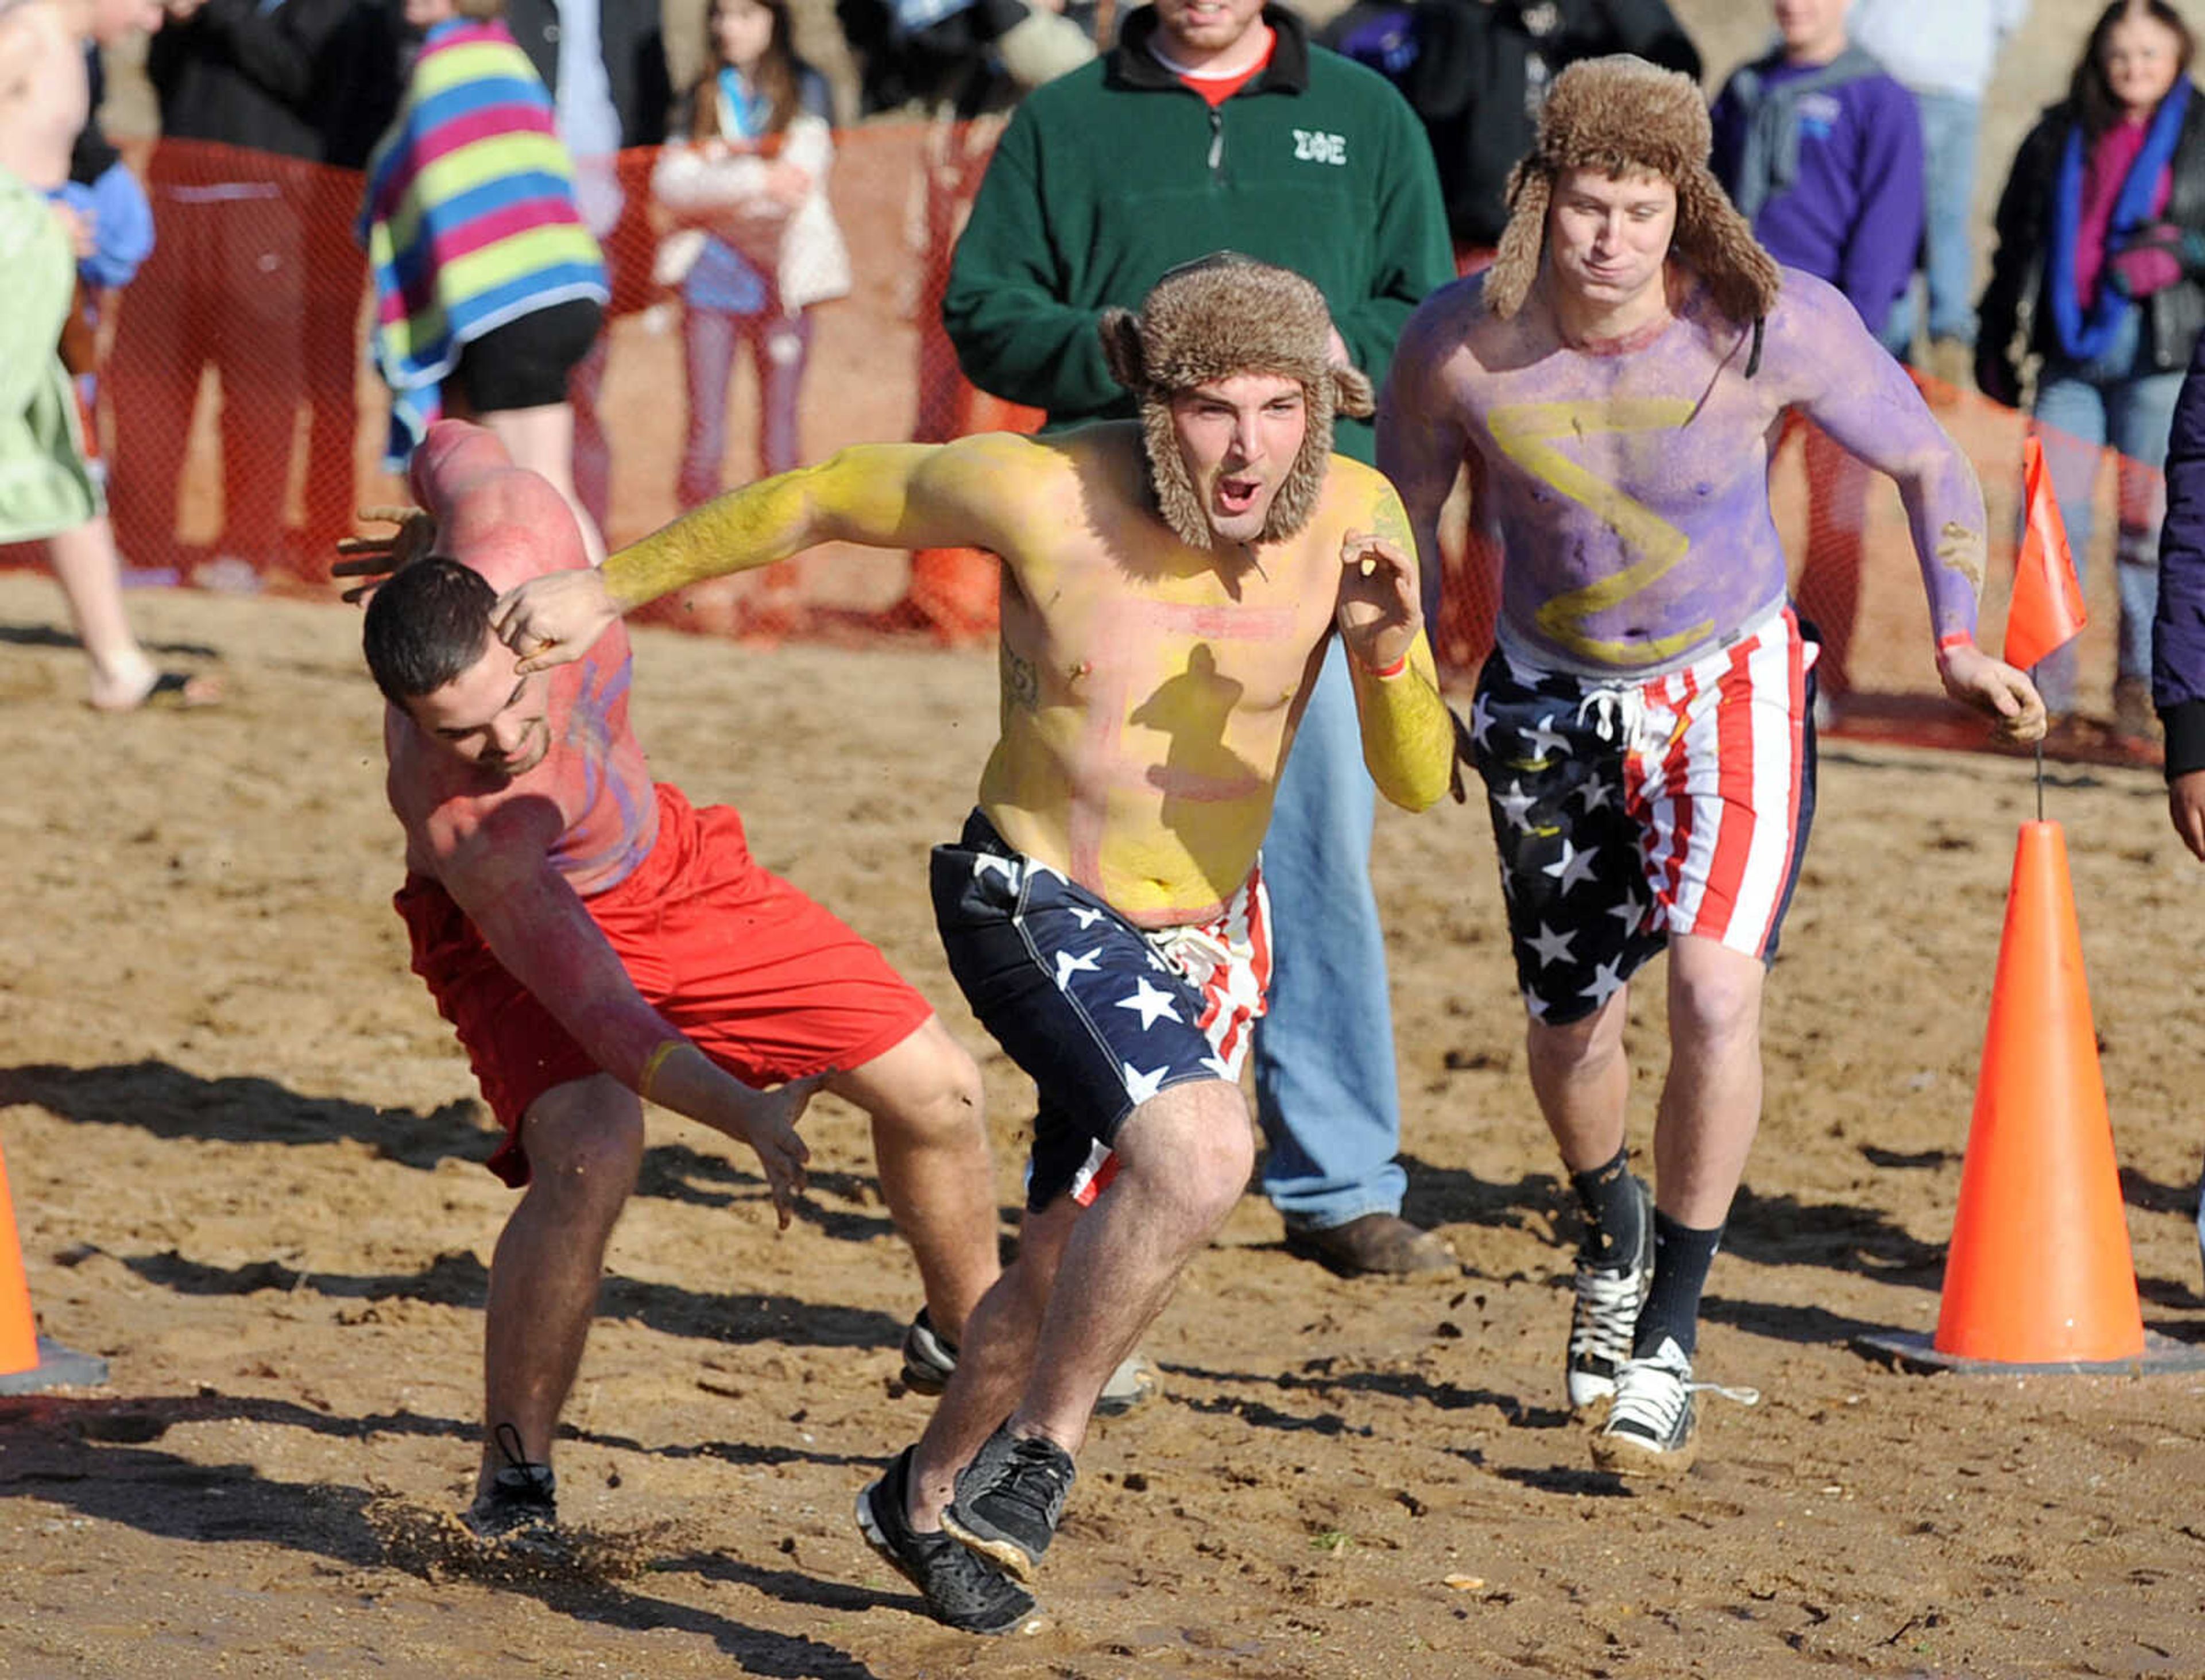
(1010, 1497)
(520, 1505)
(961, 1590)
(930, 1359)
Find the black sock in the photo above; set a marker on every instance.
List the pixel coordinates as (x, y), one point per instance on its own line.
(1611, 1207)
(1681, 1258)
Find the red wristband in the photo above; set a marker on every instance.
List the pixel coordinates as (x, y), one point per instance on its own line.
(1393, 670)
(1957, 638)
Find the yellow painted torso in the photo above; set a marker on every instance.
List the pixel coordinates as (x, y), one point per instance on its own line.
(1150, 690)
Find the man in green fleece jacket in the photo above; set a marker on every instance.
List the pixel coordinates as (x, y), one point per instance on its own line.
(1214, 123)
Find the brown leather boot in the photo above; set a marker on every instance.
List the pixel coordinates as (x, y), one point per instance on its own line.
(1384, 1244)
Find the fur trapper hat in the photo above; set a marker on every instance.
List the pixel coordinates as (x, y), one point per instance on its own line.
(1620, 116)
(1221, 315)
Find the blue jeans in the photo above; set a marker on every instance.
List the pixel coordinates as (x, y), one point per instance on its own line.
(1326, 1095)
(2081, 408)
(779, 345)
(1950, 128)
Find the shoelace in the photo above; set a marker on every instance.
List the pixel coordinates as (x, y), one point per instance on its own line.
(519, 1474)
(1655, 1406)
(1030, 1480)
(1610, 1300)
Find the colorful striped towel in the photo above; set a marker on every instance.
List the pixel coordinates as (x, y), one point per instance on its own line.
(470, 220)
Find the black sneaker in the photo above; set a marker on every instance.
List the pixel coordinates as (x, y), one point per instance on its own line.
(1010, 1497)
(1604, 1315)
(520, 1505)
(961, 1590)
(930, 1358)
(1652, 1429)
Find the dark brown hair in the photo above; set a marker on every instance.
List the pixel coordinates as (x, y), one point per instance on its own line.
(2093, 100)
(426, 626)
(776, 76)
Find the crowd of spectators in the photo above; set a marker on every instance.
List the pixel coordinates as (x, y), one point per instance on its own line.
(1854, 156)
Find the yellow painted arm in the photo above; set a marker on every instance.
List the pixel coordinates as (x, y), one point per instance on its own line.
(888, 496)
(1408, 738)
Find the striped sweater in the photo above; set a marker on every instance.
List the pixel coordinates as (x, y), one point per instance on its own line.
(470, 220)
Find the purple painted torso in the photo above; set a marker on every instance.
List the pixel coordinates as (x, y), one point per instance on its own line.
(1628, 481)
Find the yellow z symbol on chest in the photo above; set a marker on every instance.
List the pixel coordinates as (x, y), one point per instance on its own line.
(1527, 434)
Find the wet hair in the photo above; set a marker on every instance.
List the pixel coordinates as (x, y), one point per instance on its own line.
(2088, 91)
(775, 76)
(426, 627)
(479, 11)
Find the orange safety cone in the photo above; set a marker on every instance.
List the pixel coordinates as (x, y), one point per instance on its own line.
(2040, 1270)
(28, 1361)
(2039, 1275)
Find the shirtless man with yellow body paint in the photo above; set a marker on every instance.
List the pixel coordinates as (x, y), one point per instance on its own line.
(1645, 725)
(1170, 589)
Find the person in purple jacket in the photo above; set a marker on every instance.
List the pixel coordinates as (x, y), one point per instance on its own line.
(2177, 630)
(1822, 153)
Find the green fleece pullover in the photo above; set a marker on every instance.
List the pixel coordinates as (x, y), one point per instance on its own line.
(1109, 177)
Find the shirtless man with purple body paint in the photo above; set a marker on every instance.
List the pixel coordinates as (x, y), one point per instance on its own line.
(1644, 724)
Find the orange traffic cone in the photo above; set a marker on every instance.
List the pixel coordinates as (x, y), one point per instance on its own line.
(28, 1361)
(2039, 1269)
(2039, 1275)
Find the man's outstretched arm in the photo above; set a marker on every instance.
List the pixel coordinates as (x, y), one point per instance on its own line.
(890, 495)
(540, 932)
(1864, 400)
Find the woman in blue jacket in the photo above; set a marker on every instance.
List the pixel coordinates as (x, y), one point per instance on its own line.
(2101, 249)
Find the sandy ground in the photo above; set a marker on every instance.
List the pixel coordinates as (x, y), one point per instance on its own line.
(244, 1158)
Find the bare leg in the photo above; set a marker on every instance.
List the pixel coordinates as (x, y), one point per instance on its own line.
(992, 1363)
(542, 440)
(930, 1143)
(1087, 1282)
(1184, 1158)
(1711, 1101)
(1581, 1080)
(585, 1143)
(85, 563)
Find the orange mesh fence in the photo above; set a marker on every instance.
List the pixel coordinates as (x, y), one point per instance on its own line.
(241, 423)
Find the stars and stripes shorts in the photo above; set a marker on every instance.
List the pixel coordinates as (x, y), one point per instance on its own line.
(1101, 1014)
(1623, 813)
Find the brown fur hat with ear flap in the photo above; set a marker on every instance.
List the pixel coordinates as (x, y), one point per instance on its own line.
(1622, 116)
(1221, 315)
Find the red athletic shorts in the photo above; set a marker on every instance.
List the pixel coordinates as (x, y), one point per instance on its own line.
(764, 982)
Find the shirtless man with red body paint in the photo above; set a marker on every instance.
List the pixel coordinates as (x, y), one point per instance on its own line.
(596, 940)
